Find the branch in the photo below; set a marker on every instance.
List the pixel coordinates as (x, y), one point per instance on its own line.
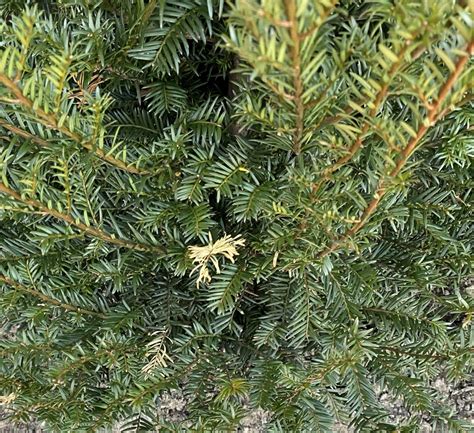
(23, 133)
(284, 97)
(398, 314)
(290, 6)
(322, 95)
(316, 375)
(91, 231)
(432, 117)
(379, 99)
(47, 299)
(276, 22)
(422, 355)
(50, 121)
(348, 109)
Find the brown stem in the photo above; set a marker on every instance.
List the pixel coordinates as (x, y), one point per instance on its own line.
(336, 118)
(49, 300)
(317, 375)
(290, 6)
(396, 313)
(284, 97)
(323, 94)
(380, 97)
(91, 231)
(432, 116)
(348, 109)
(276, 22)
(315, 27)
(23, 133)
(421, 355)
(50, 121)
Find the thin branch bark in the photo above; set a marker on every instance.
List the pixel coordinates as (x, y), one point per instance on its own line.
(379, 99)
(22, 133)
(48, 299)
(91, 231)
(432, 117)
(290, 6)
(423, 355)
(317, 375)
(50, 121)
(316, 26)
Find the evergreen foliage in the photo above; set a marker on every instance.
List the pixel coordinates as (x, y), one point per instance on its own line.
(259, 203)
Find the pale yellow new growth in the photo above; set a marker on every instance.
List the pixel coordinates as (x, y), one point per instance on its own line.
(7, 399)
(157, 353)
(226, 246)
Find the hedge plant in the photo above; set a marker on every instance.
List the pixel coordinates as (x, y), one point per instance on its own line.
(259, 205)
